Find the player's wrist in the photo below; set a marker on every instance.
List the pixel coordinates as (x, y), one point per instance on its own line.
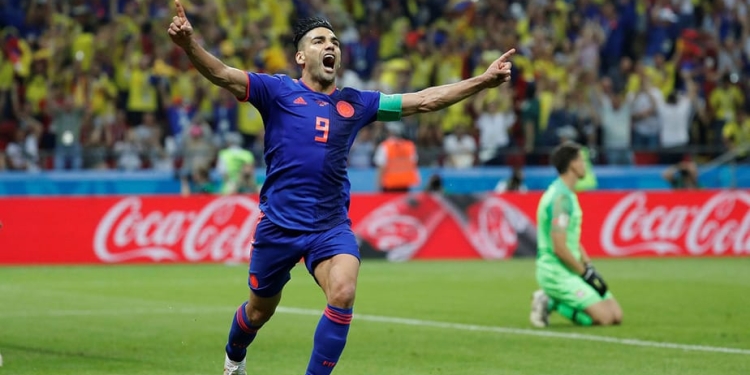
(189, 45)
(486, 80)
(586, 271)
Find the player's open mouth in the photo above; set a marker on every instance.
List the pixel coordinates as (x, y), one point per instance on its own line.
(329, 62)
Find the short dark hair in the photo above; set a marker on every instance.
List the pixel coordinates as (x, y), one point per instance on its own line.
(304, 26)
(563, 155)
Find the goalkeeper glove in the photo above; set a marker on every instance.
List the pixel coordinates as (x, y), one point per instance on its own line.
(593, 278)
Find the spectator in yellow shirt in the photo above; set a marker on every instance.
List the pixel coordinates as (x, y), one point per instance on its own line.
(725, 100)
(737, 133)
(142, 91)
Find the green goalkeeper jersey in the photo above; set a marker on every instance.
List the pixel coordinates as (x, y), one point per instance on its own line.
(558, 210)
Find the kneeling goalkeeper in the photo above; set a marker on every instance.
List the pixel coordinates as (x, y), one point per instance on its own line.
(569, 283)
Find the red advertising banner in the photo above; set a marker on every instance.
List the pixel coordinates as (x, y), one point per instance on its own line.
(78, 230)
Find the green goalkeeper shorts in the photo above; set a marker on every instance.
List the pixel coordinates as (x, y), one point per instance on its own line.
(570, 290)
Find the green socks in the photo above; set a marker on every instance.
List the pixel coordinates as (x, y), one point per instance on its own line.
(576, 316)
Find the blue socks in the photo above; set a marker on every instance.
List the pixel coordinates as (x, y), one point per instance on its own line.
(328, 343)
(329, 340)
(241, 335)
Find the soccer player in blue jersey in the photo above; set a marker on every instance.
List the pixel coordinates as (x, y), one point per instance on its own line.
(310, 126)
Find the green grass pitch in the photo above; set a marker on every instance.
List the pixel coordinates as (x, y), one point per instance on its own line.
(688, 315)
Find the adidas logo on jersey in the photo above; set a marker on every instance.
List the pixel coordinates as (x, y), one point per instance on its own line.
(300, 101)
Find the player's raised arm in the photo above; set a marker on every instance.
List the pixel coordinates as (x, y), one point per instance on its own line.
(209, 66)
(439, 97)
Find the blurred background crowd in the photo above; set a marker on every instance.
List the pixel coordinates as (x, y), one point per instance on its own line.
(97, 84)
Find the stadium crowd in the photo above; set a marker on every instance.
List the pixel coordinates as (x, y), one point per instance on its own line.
(96, 84)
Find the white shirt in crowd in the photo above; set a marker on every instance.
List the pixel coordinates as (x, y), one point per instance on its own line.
(646, 101)
(460, 151)
(615, 124)
(675, 122)
(493, 132)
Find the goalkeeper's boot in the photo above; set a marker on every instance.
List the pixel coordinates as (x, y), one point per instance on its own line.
(539, 316)
(234, 368)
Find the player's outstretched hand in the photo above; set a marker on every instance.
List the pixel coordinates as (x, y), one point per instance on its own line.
(499, 70)
(180, 29)
(594, 279)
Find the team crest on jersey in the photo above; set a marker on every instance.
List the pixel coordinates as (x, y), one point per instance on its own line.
(561, 221)
(345, 109)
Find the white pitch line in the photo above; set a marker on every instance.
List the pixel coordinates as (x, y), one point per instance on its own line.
(526, 332)
(400, 321)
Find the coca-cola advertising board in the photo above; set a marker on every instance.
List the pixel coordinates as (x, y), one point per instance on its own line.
(80, 230)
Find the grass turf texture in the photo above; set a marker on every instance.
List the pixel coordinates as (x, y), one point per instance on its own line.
(174, 319)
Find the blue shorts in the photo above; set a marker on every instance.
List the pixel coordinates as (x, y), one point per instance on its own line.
(277, 250)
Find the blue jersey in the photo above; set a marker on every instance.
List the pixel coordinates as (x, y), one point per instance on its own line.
(307, 140)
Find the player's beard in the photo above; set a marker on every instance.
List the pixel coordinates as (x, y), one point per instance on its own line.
(325, 78)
